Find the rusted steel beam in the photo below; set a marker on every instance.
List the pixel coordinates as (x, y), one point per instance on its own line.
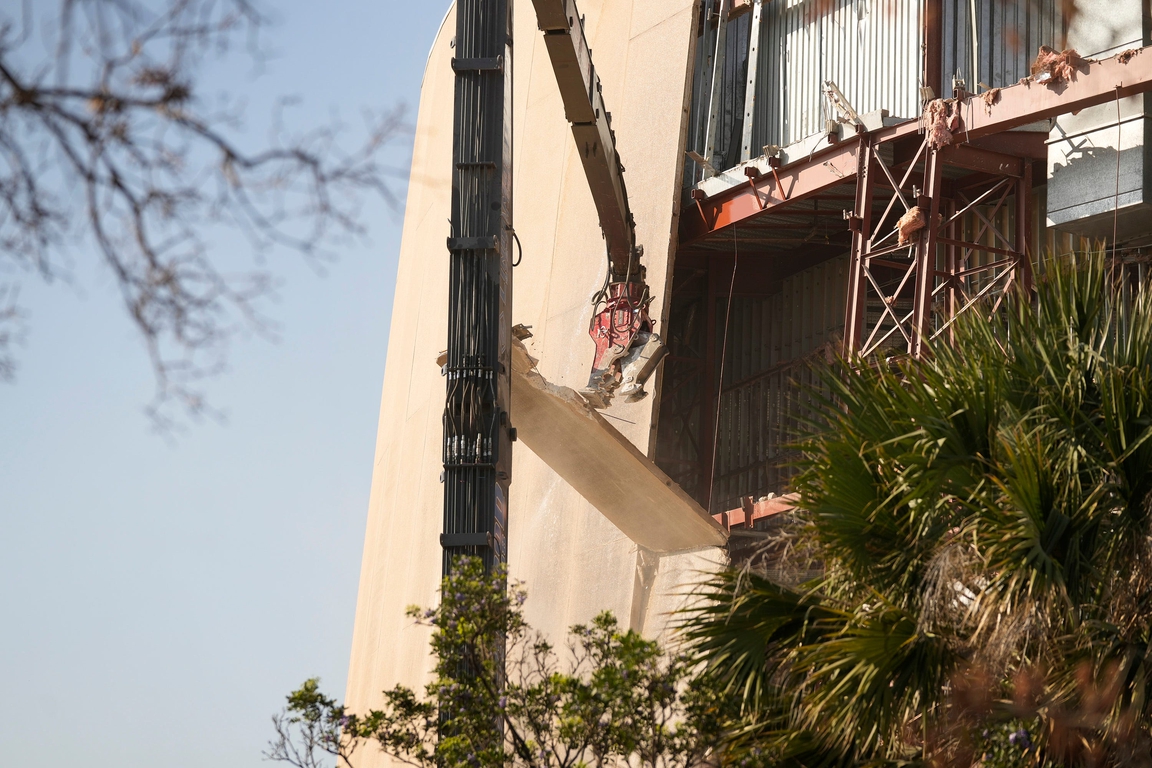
(1028, 144)
(798, 181)
(873, 262)
(752, 510)
(1024, 228)
(885, 251)
(951, 264)
(986, 267)
(860, 225)
(1016, 106)
(983, 160)
(1097, 82)
(979, 247)
(926, 254)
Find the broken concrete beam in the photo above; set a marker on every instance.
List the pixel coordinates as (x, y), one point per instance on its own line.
(605, 468)
(602, 465)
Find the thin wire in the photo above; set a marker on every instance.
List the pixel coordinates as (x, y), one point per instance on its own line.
(519, 249)
(723, 362)
(1116, 200)
(602, 294)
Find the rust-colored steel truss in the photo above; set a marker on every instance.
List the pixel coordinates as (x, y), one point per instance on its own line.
(911, 291)
(903, 295)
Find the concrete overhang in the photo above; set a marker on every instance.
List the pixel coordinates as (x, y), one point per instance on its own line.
(603, 466)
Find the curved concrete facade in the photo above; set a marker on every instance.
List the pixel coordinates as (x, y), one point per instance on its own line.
(574, 562)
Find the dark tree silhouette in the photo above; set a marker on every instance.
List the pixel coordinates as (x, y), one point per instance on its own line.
(108, 147)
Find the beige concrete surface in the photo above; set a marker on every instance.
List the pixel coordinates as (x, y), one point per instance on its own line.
(672, 584)
(574, 561)
(608, 471)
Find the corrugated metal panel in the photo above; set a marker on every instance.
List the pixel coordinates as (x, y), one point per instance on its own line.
(701, 82)
(683, 381)
(767, 380)
(869, 48)
(1009, 32)
(733, 76)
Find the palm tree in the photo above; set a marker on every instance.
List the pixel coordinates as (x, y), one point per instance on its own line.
(982, 518)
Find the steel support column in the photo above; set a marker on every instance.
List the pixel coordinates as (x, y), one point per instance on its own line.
(714, 97)
(905, 279)
(477, 450)
(861, 227)
(951, 267)
(1024, 229)
(934, 46)
(746, 148)
(925, 255)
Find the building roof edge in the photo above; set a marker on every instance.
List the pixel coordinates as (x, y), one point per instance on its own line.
(439, 31)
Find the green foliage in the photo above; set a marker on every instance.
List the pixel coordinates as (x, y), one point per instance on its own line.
(502, 695)
(308, 730)
(982, 517)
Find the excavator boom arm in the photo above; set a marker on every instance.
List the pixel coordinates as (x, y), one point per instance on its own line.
(591, 124)
(627, 349)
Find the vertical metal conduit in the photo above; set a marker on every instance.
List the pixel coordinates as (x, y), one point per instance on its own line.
(477, 451)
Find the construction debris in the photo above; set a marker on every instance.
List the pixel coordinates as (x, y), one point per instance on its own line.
(937, 124)
(912, 222)
(604, 467)
(990, 98)
(1052, 67)
(739, 8)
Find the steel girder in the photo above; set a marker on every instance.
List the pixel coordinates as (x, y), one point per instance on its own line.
(934, 273)
(1028, 102)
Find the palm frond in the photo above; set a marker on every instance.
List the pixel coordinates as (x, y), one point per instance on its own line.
(989, 506)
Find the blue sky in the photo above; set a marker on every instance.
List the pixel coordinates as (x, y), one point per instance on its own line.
(158, 598)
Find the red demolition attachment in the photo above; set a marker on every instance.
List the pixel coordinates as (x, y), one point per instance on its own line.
(627, 350)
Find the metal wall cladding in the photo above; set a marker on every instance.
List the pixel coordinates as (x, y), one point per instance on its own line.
(871, 49)
(768, 381)
(733, 75)
(1008, 35)
(683, 382)
(1047, 243)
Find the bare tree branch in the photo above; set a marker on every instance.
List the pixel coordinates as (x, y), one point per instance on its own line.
(11, 324)
(106, 143)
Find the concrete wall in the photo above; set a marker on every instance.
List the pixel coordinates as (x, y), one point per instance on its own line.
(574, 562)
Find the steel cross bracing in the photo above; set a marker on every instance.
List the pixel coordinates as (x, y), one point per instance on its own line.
(915, 290)
(903, 295)
(769, 187)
